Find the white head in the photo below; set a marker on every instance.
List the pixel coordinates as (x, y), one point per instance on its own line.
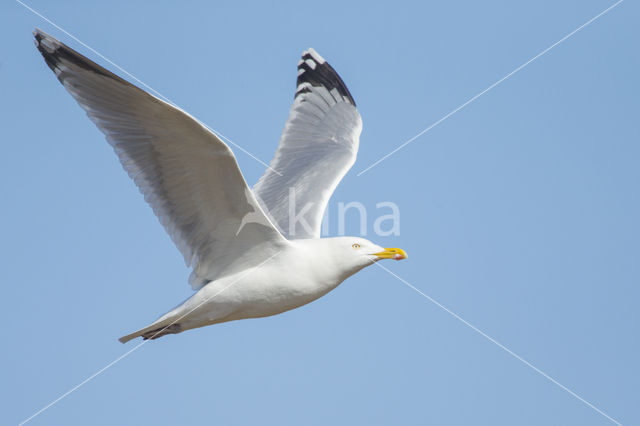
(350, 254)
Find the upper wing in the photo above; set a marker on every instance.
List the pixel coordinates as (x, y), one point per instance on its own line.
(185, 172)
(318, 146)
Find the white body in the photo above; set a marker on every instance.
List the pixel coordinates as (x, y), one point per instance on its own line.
(299, 272)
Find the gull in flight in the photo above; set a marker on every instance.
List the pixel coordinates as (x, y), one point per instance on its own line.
(253, 252)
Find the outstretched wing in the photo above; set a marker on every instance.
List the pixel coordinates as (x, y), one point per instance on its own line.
(318, 146)
(185, 172)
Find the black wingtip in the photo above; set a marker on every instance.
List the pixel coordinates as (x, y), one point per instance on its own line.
(44, 41)
(38, 34)
(315, 71)
(55, 52)
(48, 47)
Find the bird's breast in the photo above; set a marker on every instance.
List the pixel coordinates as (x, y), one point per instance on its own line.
(275, 289)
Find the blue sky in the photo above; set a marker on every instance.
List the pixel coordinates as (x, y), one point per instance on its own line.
(519, 213)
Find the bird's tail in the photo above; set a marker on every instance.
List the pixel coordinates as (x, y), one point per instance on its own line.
(153, 331)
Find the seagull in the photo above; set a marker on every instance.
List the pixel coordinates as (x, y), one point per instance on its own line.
(253, 252)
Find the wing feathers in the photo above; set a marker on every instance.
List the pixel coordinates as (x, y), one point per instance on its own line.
(317, 147)
(186, 173)
(317, 72)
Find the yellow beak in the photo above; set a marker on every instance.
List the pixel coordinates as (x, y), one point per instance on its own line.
(392, 253)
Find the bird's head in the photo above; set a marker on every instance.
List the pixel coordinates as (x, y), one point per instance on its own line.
(360, 247)
(355, 253)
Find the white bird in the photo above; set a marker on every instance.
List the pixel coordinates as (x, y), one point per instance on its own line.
(252, 254)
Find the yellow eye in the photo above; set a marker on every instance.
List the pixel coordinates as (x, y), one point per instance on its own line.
(356, 246)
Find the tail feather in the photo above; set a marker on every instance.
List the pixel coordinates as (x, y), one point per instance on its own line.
(152, 332)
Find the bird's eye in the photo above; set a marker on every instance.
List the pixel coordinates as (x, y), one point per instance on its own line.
(356, 246)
